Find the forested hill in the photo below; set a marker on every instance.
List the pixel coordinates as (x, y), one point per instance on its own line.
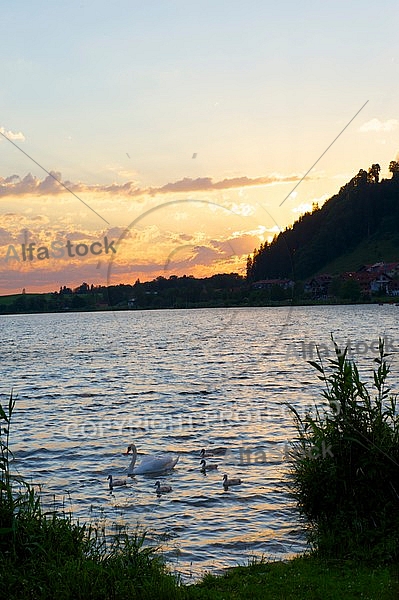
(365, 209)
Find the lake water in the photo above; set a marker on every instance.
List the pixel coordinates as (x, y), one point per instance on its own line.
(177, 381)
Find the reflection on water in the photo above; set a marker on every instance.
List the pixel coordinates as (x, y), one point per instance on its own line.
(176, 381)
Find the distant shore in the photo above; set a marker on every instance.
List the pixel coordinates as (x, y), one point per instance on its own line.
(8, 307)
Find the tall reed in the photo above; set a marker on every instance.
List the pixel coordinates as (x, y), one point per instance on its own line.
(345, 462)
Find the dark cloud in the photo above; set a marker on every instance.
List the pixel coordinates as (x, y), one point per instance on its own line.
(15, 186)
(50, 183)
(206, 183)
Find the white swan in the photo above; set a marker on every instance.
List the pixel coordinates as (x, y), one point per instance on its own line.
(162, 489)
(213, 452)
(207, 467)
(150, 464)
(115, 482)
(228, 482)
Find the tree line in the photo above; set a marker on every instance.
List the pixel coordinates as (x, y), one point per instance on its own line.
(363, 208)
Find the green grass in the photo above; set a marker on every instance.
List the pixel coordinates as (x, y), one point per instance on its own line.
(375, 249)
(64, 561)
(7, 300)
(303, 578)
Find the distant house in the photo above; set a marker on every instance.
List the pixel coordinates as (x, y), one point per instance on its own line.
(363, 278)
(380, 285)
(393, 288)
(390, 269)
(131, 303)
(375, 268)
(318, 287)
(371, 281)
(268, 284)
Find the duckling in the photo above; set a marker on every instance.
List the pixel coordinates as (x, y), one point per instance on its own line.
(162, 489)
(115, 482)
(213, 452)
(228, 482)
(209, 467)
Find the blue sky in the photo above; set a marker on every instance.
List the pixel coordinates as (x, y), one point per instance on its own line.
(170, 98)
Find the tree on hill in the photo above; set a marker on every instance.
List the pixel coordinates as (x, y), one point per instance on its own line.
(360, 179)
(374, 174)
(394, 168)
(363, 208)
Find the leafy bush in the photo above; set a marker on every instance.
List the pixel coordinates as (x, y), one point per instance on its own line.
(345, 463)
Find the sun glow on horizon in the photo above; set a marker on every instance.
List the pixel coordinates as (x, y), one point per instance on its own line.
(180, 117)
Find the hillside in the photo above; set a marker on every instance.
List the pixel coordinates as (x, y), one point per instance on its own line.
(359, 225)
(377, 248)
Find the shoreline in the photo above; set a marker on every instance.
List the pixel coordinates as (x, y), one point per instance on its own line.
(195, 306)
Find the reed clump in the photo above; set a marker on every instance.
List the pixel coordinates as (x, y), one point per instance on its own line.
(345, 463)
(47, 555)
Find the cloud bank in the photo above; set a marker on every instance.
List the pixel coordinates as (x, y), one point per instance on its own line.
(16, 186)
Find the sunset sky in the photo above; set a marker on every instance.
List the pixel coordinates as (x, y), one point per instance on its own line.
(181, 129)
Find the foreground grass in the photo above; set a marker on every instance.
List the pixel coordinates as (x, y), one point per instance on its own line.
(48, 556)
(303, 578)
